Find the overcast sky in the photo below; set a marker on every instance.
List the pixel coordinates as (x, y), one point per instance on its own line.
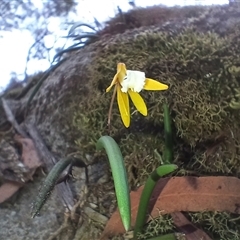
(13, 56)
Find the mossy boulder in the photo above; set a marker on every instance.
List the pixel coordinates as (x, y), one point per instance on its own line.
(197, 55)
(196, 64)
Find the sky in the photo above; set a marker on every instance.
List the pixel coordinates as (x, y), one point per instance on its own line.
(13, 56)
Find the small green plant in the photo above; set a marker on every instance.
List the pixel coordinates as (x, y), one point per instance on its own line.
(120, 178)
(161, 171)
(125, 82)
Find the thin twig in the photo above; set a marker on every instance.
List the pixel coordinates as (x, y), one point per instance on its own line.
(11, 118)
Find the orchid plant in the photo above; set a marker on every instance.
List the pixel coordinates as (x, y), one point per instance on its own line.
(127, 83)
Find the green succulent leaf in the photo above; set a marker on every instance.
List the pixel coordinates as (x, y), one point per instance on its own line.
(147, 192)
(119, 177)
(49, 184)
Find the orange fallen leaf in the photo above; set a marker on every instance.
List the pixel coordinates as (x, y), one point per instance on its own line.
(190, 231)
(176, 194)
(30, 159)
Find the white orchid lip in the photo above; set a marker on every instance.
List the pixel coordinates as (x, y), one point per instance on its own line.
(134, 80)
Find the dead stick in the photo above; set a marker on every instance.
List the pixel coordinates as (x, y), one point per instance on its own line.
(11, 118)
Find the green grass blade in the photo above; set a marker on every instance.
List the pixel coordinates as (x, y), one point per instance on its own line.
(80, 24)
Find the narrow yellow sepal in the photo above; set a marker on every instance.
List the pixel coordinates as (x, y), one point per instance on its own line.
(119, 76)
(138, 102)
(112, 83)
(151, 84)
(123, 105)
(121, 72)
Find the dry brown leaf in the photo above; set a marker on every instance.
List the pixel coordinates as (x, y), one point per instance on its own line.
(30, 159)
(176, 194)
(190, 231)
(8, 189)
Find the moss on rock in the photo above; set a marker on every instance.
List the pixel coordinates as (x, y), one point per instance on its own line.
(201, 69)
(192, 64)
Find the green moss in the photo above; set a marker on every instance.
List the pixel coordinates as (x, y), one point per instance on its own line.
(157, 226)
(176, 61)
(218, 225)
(199, 69)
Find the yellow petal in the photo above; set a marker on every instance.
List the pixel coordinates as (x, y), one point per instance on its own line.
(121, 71)
(151, 84)
(138, 102)
(119, 76)
(123, 105)
(113, 82)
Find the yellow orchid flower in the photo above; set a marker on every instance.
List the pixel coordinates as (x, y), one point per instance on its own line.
(128, 82)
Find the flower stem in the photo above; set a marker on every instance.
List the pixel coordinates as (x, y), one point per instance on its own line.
(110, 108)
(168, 151)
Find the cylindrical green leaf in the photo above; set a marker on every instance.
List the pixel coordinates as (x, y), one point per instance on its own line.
(49, 184)
(147, 192)
(119, 177)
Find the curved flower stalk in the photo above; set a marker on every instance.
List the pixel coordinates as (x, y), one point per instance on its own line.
(147, 192)
(129, 82)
